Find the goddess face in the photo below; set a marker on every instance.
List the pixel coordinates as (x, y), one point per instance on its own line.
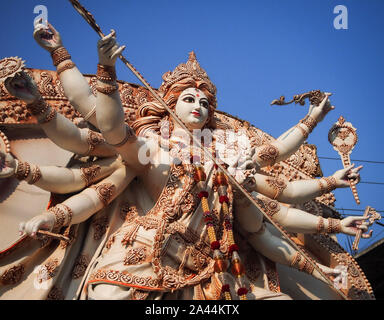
(192, 108)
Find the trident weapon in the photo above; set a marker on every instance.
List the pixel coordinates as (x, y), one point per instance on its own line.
(371, 215)
(92, 22)
(343, 138)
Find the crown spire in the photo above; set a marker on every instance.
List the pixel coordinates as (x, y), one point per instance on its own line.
(190, 69)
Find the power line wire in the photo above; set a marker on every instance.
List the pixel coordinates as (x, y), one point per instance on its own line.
(370, 182)
(353, 160)
(362, 210)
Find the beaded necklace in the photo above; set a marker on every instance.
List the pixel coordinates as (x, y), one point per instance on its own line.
(221, 264)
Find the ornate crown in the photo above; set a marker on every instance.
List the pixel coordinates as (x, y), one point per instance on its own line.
(191, 69)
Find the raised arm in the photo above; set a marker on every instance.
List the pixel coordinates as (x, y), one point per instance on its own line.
(290, 141)
(58, 179)
(58, 128)
(80, 207)
(301, 191)
(293, 220)
(109, 109)
(279, 250)
(76, 87)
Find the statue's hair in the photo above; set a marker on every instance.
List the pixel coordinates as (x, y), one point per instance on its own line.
(151, 113)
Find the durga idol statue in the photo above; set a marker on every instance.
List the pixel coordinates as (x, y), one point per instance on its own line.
(141, 212)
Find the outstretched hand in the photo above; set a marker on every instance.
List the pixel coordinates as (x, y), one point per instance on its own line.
(320, 111)
(351, 225)
(343, 176)
(44, 221)
(47, 36)
(108, 49)
(23, 87)
(7, 165)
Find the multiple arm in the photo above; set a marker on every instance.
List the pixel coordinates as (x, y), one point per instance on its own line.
(80, 207)
(58, 179)
(75, 86)
(280, 251)
(301, 191)
(290, 141)
(58, 128)
(109, 110)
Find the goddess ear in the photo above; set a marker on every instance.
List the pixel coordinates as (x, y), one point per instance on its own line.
(211, 121)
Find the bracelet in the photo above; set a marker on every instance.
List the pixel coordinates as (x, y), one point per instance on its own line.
(309, 122)
(59, 55)
(36, 175)
(322, 189)
(22, 170)
(107, 90)
(130, 137)
(106, 73)
(331, 183)
(48, 117)
(67, 66)
(306, 267)
(320, 225)
(38, 107)
(300, 263)
(59, 217)
(334, 225)
(63, 215)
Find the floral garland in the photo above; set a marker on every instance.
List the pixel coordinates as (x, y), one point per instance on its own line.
(221, 264)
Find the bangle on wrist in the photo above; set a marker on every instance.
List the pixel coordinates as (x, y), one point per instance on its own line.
(59, 55)
(309, 122)
(66, 66)
(106, 73)
(320, 225)
(330, 184)
(63, 215)
(50, 115)
(299, 262)
(22, 170)
(108, 90)
(35, 175)
(334, 226)
(38, 107)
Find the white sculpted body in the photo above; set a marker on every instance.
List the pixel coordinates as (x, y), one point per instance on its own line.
(121, 168)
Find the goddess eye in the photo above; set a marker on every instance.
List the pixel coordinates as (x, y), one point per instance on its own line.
(204, 104)
(189, 99)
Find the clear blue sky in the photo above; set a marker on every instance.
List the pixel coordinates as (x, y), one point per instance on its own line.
(254, 51)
